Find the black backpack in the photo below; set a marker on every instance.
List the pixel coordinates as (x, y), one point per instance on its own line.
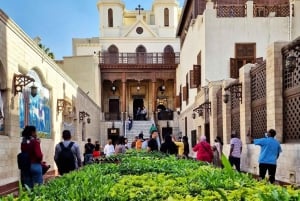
(66, 159)
(24, 161)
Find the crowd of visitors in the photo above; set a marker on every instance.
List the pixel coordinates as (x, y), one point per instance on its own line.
(67, 153)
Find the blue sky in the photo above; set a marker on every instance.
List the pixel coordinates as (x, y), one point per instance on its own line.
(56, 22)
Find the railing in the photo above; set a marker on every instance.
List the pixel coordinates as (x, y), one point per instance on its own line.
(263, 10)
(231, 10)
(139, 58)
(108, 116)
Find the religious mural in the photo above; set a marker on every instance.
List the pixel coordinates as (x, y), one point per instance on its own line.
(35, 110)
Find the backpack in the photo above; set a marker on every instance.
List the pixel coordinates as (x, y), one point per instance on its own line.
(66, 159)
(24, 161)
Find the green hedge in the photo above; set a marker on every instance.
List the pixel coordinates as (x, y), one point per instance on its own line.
(139, 176)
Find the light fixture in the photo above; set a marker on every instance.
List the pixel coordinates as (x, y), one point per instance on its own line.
(162, 88)
(82, 115)
(206, 106)
(61, 105)
(235, 89)
(20, 81)
(113, 88)
(226, 97)
(290, 63)
(193, 115)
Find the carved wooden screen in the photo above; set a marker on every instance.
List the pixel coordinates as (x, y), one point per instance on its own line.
(258, 101)
(184, 93)
(192, 79)
(235, 114)
(219, 114)
(291, 97)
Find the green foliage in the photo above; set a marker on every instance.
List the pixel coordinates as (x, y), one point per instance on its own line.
(155, 176)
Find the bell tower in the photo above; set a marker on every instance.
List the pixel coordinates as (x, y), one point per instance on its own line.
(111, 17)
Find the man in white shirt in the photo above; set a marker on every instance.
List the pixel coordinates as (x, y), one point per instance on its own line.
(235, 152)
(109, 148)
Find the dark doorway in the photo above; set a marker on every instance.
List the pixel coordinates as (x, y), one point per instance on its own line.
(113, 134)
(166, 131)
(207, 132)
(137, 103)
(114, 109)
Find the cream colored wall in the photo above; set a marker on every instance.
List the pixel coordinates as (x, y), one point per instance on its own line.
(19, 54)
(215, 37)
(85, 71)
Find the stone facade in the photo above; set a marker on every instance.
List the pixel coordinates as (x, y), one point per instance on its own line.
(211, 41)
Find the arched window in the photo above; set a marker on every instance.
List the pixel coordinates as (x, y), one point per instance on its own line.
(166, 17)
(110, 18)
(141, 54)
(113, 54)
(169, 56)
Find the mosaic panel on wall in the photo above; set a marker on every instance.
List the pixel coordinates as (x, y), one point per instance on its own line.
(35, 110)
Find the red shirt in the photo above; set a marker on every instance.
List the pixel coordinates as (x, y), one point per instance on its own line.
(204, 151)
(33, 147)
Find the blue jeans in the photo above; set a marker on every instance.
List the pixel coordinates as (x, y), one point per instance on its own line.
(36, 173)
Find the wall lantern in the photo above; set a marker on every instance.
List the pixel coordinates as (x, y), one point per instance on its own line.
(235, 89)
(226, 97)
(162, 88)
(61, 104)
(113, 88)
(291, 63)
(206, 106)
(82, 115)
(193, 115)
(20, 81)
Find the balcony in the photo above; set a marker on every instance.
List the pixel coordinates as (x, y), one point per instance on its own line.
(138, 60)
(109, 116)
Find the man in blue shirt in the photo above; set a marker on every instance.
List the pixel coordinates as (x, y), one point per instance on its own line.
(269, 153)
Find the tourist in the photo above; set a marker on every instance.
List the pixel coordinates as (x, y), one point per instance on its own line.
(109, 149)
(143, 113)
(186, 150)
(88, 152)
(64, 164)
(235, 152)
(96, 152)
(31, 145)
(152, 144)
(120, 146)
(145, 143)
(203, 149)
(169, 147)
(218, 149)
(269, 153)
(133, 143)
(139, 142)
(180, 147)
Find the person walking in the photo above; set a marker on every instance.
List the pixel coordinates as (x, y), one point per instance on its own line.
(152, 144)
(168, 146)
(235, 152)
(186, 149)
(31, 146)
(269, 153)
(180, 147)
(88, 152)
(67, 154)
(218, 150)
(109, 149)
(203, 149)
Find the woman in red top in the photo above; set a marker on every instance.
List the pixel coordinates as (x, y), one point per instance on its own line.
(31, 144)
(204, 151)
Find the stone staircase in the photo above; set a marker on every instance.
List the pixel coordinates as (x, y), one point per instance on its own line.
(137, 127)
